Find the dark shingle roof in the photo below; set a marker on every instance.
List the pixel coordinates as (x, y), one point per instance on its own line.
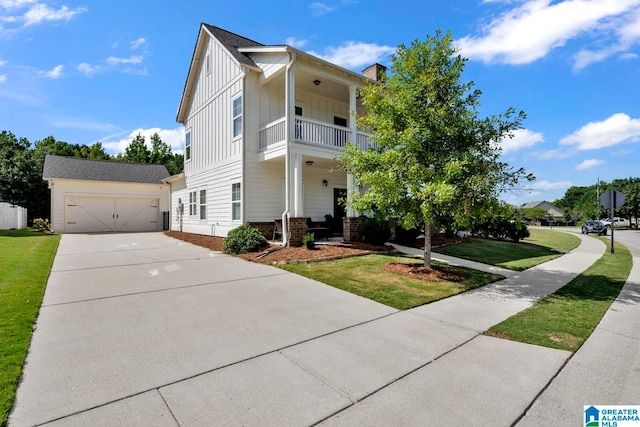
(102, 170)
(232, 42)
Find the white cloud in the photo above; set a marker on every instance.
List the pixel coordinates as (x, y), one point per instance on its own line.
(530, 30)
(83, 123)
(88, 69)
(293, 42)
(616, 129)
(549, 186)
(522, 138)
(589, 164)
(3, 78)
(318, 9)
(2, 63)
(56, 73)
(629, 56)
(41, 12)
(172, 137)
(15, 4)
(138, 43)
(131, 60)
(355, 54)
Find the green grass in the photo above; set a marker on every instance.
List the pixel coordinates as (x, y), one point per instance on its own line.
(25, 262)
(542, 246)
(566, 318)
(366, 276)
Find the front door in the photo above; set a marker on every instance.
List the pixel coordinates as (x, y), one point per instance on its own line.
(339, 209)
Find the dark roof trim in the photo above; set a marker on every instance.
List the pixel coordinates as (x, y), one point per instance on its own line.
(59, 167)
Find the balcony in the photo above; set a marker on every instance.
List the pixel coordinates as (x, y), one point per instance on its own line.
(313, 132)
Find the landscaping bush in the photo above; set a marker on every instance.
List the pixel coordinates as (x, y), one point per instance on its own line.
(501, 228)
(375, 230)
(309, 241)
(243, 239)
(41, 225)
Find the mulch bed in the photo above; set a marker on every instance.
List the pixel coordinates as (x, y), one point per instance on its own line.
(436, 273)
(332, 251)
(322, 252)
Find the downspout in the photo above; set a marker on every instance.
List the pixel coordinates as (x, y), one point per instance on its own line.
(287, 155)
(243, 188)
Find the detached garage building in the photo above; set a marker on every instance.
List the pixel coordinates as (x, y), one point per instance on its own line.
(104, 196)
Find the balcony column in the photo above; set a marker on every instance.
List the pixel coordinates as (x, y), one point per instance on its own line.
(298, 202)
(354, 139)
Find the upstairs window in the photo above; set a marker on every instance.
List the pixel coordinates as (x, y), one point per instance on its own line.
(203, 204)
(187, 146)
(237, 116)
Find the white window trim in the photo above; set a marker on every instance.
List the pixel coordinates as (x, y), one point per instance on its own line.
(239, 201)
(193, 203)
(200, 204)
(188, 131)
(241, 116)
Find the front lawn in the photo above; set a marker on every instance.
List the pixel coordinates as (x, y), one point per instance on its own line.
(541, 246)
(25, 262)
(366, 276)
(566, 318)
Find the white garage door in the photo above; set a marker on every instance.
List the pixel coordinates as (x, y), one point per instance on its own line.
(99, 214)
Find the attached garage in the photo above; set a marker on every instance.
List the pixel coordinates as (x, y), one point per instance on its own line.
(89, 196)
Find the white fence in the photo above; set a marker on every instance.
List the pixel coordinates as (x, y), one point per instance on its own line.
(12, 216)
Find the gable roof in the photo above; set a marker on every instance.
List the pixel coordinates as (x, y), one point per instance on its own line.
(232, 42)
(102, 170)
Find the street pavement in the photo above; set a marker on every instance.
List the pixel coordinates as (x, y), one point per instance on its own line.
(140, 329)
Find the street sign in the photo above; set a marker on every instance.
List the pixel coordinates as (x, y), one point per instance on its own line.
(612, 200)
(605, 199)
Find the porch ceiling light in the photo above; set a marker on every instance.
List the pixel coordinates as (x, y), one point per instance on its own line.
(309, 163)
(317, 82)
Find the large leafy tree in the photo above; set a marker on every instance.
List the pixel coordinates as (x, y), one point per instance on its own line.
(434, 152)
(137, 151)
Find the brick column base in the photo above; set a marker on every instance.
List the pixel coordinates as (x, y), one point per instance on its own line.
(351, 228)
(297, 229)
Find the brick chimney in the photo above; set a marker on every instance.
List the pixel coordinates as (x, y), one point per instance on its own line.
(374, 72)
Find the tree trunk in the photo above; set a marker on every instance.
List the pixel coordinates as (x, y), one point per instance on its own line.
(427, 245)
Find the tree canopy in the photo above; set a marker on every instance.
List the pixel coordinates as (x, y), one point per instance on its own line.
(434, 153)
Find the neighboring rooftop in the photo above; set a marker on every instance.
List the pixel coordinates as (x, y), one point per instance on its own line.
(102, 170)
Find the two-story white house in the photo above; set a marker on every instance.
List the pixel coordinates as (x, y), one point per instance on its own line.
(263, 126)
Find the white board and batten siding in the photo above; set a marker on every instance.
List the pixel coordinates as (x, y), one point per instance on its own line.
(210, 113)
(12, 217)
(96, 206)
(216, 156)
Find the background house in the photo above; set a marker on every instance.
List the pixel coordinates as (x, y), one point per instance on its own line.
(552, 211)
(105, 196)
(263, 126)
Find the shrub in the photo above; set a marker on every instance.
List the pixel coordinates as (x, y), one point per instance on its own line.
(500, 228)
(42, 225)
(309, 241)
(243, 239)
(375, 230)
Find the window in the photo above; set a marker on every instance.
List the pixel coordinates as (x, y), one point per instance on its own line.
(207, 64)
(235, 202)
(237, 116)
(298, 111)
(203, 204)
(192, 203)
(187, 146)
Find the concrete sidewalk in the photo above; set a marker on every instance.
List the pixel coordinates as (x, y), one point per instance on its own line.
(144, 330)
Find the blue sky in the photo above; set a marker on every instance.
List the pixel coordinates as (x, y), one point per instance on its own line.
(87, 71)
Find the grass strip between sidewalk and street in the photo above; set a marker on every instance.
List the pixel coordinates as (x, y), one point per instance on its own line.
(565, 319)
(541, 246)
(366, 276)
(26, 258)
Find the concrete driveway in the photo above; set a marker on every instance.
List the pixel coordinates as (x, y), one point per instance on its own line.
(126, 314)
(141, 329)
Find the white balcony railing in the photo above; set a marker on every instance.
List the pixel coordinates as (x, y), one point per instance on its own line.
(313, 132)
